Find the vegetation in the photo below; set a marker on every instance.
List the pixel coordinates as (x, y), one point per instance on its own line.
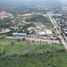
(25, 28)
(5, 23)
(39, 18)
(29, 54)
(23, 10)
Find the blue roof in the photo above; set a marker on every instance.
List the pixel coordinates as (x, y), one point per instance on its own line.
(20, 34)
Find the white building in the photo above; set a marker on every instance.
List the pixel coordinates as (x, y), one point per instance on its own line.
(46, 32)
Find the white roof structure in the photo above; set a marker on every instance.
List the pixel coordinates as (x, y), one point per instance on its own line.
(47, 32)
(4, 31)
(42, 33)
(19, 34)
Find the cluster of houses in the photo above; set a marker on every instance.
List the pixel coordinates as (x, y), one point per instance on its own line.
(4, 14)
(62, 21)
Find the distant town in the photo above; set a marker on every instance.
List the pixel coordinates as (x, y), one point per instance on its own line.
(34, 26)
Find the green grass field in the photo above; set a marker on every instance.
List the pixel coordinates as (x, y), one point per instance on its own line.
(19, 53)
(39, 18)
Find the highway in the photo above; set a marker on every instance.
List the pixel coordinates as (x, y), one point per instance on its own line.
(64, 42)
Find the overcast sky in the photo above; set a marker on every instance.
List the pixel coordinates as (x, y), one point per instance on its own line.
(30, 0)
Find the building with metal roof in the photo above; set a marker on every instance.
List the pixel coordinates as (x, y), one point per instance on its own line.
(19, 34)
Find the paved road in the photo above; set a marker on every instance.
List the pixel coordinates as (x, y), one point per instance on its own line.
(57, 30)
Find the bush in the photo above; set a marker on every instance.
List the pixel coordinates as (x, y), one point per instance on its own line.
(3, 52)
(12, 43)
(23, 39)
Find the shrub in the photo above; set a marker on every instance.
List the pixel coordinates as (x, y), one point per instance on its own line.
(12, 43)
(23, 39)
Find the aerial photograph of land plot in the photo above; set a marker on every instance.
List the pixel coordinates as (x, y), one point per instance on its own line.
(33, 33)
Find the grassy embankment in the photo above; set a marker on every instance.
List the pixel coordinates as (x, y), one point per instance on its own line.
(19, 53)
